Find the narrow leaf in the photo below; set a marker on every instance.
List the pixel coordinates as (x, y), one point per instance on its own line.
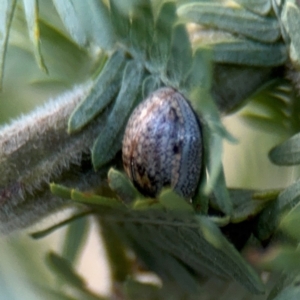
(233, 19)
(150, 84)
(291, 20)
(64, 270)
(274, 107)
(132, 79)
(221, 193)
(87, 198)
(119, 262)
(95, 19)
(287, 153)
(261, 7)
(201, 71)
(101, 24)
(196, 242)
(289, 223)
(6, 13)
(161, 46)
(267, 222)
(291, 292)
(75, 239)
(68, 15)
(142, 28)
(289, 197)
(282, 259)
(240, 270)
(121, 184)
(31, 13)
(246, 205)
(180, 59)
(245, 52)
(46, 232)
(232, 85)
(60, 191)
(170, 269)
(102, 93)
(207, 110)
(137, 290)
(173, 202)
(120, 19)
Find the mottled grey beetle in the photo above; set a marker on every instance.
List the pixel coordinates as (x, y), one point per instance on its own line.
(162, 145)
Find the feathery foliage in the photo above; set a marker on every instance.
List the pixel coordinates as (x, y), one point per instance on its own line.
(60, 155)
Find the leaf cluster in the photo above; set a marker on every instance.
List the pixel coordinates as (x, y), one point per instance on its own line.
(236, 51)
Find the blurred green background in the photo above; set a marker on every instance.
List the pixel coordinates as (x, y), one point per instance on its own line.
(23, 272)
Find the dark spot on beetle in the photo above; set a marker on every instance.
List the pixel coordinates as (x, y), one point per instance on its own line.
(175, 149)
(173, 115)
(140, 169)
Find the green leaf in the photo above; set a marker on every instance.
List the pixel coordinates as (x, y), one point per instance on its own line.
(206, 108)
(142, 28)
(201, 71)
(46, 232)
(289, 197)
(105, 88)
(274, 107)
(170, 269)
(53, 294)
(261, 7)
(291, 20)
(213, 148)
(75, 239)
(269, 218)
(287, 153)
(234, 19)
(197, 243)
(135, 290)
(147, 203)
(69, 16)
(121, 184)
(88, 198)
(95, 19)
(180, 59)
(64, 270)
(290, 222)
(31, 13)
(150, 84)
(201, 200)
(221, 193)
(173, 202)
(119, 262)
(6, 13)
(290, 292)
(120, 20)
(232, 85)
(282, 282)
(267, 222)
(282, 259)
(246, 203)
(240, 270)
(124, 104)
(245, 52)
(161, 45)
(60, 191)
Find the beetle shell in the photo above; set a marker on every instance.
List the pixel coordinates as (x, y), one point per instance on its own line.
(162, 145)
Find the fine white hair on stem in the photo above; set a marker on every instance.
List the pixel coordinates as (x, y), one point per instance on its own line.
(36, 149)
